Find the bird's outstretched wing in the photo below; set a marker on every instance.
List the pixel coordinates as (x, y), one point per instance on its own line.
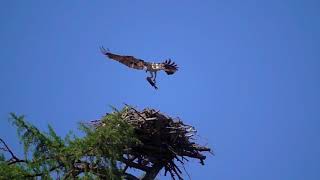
(170, 67)
(129, 61)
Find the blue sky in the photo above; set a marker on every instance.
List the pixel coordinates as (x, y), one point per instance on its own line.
(249, 76)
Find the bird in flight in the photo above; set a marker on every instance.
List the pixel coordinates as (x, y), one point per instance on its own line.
(167, 66)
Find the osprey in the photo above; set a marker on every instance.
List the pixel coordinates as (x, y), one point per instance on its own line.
(167, 66)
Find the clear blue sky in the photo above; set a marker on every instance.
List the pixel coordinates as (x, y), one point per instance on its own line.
(249, 76)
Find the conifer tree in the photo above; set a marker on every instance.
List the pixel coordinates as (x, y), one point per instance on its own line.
(146, 140)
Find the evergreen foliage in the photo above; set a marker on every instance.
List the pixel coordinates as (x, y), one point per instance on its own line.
(48, 156)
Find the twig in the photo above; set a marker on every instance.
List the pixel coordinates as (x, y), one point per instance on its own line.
(8, 149)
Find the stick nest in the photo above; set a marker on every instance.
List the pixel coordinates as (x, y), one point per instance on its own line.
(163, 140)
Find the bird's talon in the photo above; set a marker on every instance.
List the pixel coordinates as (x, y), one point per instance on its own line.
(152, 83)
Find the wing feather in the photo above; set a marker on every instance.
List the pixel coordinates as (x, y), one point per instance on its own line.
(129, 61)
(170, 67)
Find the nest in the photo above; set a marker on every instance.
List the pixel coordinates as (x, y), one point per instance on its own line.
(165, 141)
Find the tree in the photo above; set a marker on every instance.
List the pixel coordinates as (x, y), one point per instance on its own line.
(146, 140)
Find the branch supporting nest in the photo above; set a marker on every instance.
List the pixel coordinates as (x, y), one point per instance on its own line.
(163, 138)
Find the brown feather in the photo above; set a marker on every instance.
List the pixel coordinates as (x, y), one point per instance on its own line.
(129, 61)
(170, 67)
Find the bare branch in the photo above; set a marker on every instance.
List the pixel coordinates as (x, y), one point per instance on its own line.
(135, 165)
(7, 149)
